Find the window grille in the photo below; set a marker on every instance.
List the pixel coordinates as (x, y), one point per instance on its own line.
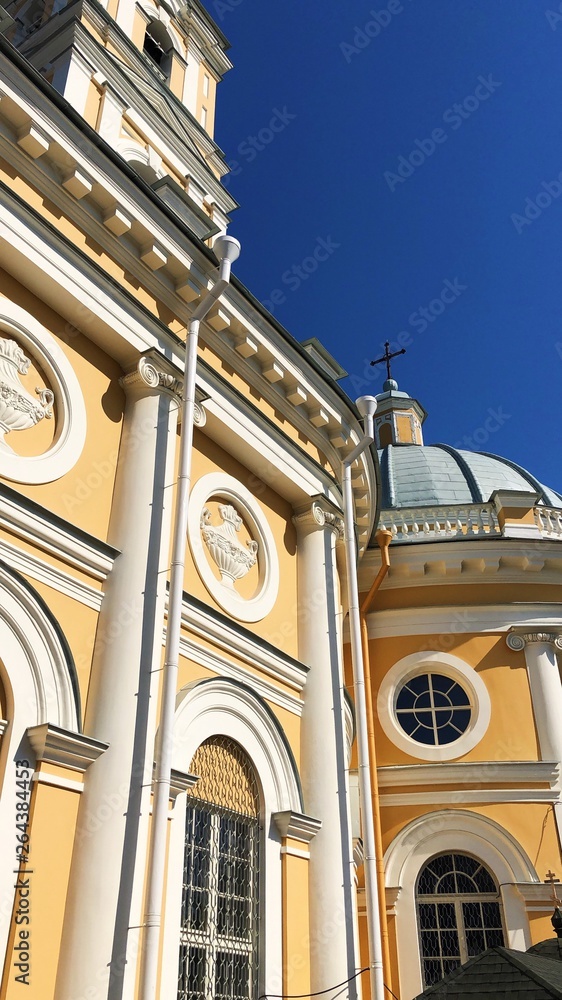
(433, 709)
(459, 913)
(220, 897)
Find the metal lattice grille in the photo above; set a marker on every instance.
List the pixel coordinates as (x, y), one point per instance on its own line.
(459, 915)
(219, 936)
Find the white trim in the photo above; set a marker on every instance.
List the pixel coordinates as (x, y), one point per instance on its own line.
(451, 666)
(44, 778)
(226, 668)
(457, 620)
(469, 795)
(228, 638)
(42, 571)
(36, 528)
(453, 831)
(218, 484)
(70, 411)
(477, 773)
(38, 686)
(219, 707)
(295, 852)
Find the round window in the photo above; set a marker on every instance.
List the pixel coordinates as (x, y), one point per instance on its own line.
(433, 709)
(433, 706)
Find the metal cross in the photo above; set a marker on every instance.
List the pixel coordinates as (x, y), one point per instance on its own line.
(387, 356)
(550, 877)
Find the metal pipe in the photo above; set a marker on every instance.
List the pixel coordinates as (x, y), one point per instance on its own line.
(227, 249)
(384, 539)
(367, 406)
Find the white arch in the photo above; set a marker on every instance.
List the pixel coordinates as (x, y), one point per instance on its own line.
(37, 676)
(223, 707)
(460, 831)
(156, 13)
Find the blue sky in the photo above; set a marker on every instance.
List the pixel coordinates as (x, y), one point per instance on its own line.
(399, 171)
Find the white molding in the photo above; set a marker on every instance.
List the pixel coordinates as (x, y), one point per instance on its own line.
(457, 619)
(219, 665)
(42, 571)
(70, 410)
(444, 831)
(44, 778)
(469, 773)
(457, 670)
(54, 745)
(294, 852)
(469, 795)
(37, 528)
(228, 638)
(221, 485)
(297, 826)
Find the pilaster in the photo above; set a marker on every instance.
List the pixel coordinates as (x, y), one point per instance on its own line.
(546, 694)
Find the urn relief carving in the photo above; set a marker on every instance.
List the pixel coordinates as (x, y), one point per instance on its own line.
(19, 410)
(233, 559)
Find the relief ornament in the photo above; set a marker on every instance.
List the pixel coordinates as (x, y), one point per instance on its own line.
(232, 558)
(19, 410)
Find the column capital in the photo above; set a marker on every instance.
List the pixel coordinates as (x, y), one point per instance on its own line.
(319, 514)
(152, 371)
(518, 638)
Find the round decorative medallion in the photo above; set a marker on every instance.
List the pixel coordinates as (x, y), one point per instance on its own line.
(42, 412)
(233, 547)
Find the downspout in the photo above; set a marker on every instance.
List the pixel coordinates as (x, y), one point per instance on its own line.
(227, 250)
(367, 406)
(384, 539)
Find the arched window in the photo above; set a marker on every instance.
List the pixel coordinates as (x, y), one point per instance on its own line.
(220, 893)
(158, 46)
(459, 913)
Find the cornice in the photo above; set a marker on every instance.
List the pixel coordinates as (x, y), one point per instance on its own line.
(41, 528)
(493, 560)
(463, 620)
(466, 775)
(53, 745)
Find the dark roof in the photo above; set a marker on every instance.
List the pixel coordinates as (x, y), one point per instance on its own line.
(499, 974)
(551, 948)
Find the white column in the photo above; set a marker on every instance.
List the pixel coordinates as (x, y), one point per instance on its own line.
(323, 751)
(122, 695)
(546, 695)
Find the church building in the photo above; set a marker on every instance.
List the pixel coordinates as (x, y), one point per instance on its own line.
(180, 816)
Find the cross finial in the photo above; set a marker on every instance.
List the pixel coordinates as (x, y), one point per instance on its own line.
(387, 357)
(550, 879)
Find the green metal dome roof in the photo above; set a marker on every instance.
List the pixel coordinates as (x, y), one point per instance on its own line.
(438, 475)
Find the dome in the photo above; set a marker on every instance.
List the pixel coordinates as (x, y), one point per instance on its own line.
(438, 475)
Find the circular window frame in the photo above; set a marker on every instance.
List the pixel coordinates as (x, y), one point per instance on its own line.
(460, 672)
(253, 609)
(67, 447)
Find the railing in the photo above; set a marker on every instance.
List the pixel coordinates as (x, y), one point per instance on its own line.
(549, 522)
(424, 524)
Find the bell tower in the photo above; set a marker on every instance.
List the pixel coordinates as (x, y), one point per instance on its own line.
(143, 74)
(398, 418)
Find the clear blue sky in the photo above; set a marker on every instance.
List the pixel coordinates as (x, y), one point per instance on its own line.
(471, 88)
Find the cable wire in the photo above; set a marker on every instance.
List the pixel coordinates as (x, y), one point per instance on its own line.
(305, 996)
